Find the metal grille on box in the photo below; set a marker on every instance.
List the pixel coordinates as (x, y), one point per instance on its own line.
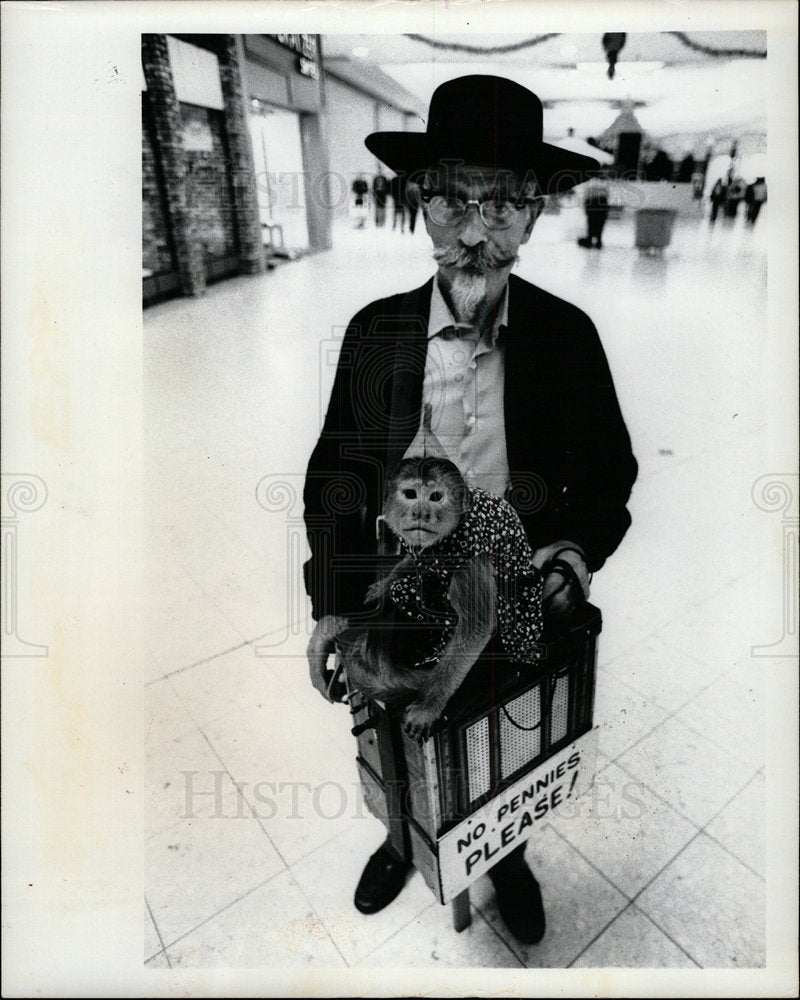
(510, 751)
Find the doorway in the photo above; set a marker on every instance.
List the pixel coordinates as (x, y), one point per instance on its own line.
(280, 179)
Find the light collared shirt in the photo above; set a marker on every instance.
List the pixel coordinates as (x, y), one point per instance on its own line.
(464, 384)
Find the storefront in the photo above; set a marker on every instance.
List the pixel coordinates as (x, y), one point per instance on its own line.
(209, 193)
(200, 219)
(284, 97)
(248, 151)
(232, 153)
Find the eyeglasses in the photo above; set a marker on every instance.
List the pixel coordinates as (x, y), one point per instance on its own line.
(447, 210)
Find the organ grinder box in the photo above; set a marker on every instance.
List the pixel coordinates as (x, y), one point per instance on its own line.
(515, 743)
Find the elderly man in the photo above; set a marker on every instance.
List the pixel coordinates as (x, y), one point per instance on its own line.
(519, 390)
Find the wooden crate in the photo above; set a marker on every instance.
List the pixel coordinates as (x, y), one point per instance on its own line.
(515, 743)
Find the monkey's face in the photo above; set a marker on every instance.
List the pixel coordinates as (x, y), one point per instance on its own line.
(424, 510)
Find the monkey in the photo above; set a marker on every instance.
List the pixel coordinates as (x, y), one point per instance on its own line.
(466, 573)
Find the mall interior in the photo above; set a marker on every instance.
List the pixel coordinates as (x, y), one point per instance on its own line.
(264, 232)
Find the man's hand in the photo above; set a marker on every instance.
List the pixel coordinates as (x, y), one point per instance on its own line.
(562, 591)
(320, 646)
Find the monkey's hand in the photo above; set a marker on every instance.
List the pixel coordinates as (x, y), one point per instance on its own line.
(377, 591)
(321, 644)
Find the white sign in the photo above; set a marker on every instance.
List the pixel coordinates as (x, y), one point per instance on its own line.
(197, 136)
(470, 849)
(195, 74)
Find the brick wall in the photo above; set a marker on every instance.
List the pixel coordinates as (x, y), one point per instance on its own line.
(240, 151)
(210, 197)
(157, 254)
(167, 135)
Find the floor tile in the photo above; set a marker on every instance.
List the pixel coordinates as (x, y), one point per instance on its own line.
(329, 876)
(304, 791)
(185, 528)
(623, 715)
(721, 632)
(659, 673)
(578, 902)
(633, 942)
(272, 926)
(602, 762)
(430, 941)
(687, 770)
(165, 715)
(289, 675)
(152, 943)
(151, 671)
(739, 827)
(188, 633)
(711, 905)
(167, 583)
(225, 562)
(180, 776)
(159, 961)
(223, 685)
(243, 598)
(197, 866)
(731, 715)
(624, 830)
(615, 639)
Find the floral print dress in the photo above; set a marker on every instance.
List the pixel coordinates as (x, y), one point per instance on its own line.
(424, 617)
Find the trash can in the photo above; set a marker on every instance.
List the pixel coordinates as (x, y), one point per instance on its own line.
(654, 228)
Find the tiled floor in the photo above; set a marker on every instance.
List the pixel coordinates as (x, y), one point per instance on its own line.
(256, 831)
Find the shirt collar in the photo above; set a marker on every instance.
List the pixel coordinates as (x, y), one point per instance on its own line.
(440, 317)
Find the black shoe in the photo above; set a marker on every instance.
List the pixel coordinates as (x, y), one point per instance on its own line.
(381, 881)
(519, 901)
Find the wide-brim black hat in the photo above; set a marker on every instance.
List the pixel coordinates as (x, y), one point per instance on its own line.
(487, 121)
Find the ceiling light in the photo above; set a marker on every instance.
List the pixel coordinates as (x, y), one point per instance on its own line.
(567, 51)
(360, 52)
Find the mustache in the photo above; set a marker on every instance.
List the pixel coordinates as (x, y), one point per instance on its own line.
(482, 257)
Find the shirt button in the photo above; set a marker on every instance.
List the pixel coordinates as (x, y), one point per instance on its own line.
(473, 365)
(459, 378)
(471, 420)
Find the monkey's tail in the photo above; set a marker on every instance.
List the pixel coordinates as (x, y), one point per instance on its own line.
(372, 674)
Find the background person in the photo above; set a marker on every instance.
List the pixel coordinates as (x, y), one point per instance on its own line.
(595, 205)
(397, 189)
(755, 196)
(380, 192)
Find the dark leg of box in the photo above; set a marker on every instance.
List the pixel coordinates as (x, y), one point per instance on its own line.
(462, 917)
(393, 771)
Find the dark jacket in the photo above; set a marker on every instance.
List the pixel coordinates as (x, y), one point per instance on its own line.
(569, 452)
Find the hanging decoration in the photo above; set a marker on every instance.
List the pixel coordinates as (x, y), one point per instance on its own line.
(483, 50)
(721, 53)
(613, 43)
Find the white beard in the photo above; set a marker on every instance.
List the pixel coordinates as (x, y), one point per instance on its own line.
(467, 292)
